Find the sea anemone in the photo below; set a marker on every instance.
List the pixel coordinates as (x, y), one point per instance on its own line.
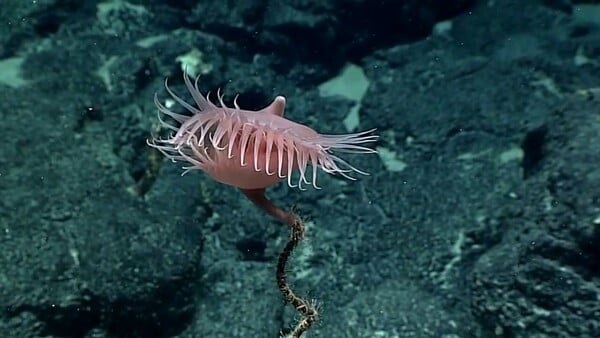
(252, 149)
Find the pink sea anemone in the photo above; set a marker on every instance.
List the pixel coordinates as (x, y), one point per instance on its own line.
(252, 149)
